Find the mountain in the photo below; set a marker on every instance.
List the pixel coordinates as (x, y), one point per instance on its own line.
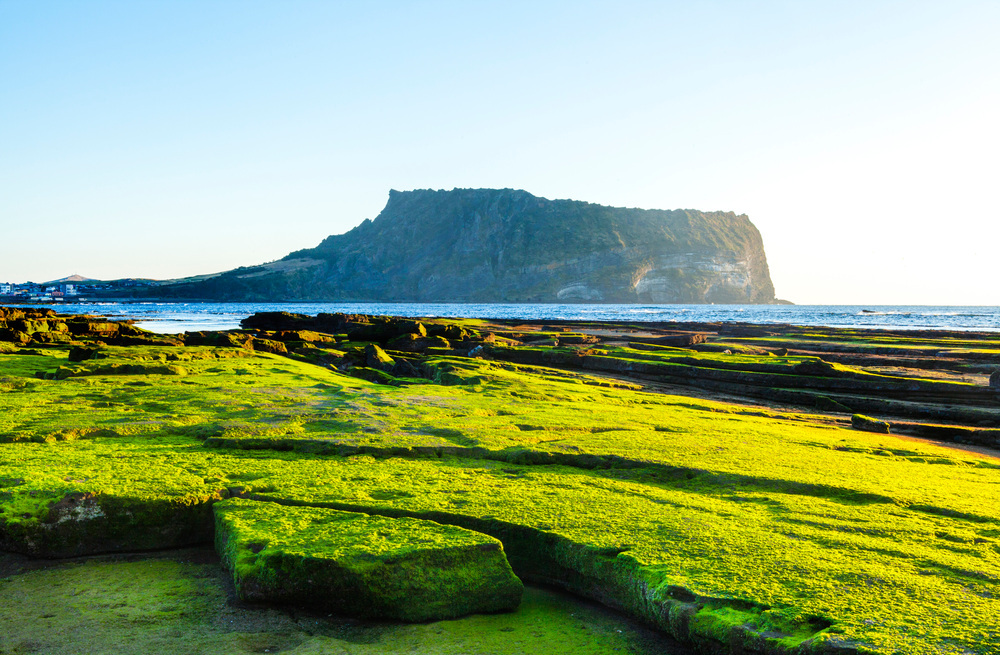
(489, 245)
(71, 279)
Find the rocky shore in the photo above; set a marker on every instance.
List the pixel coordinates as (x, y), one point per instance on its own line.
(740, 488)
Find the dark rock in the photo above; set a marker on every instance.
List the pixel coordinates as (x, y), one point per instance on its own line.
(308, 336)
(375, 357)
(129, 330)
(52, 337)
(815, 367)
(63, 372)
(828, 404)
(147, 340)
(405, 343)
(375, 375)
(29, 325)
(83, 326)
(412, 343)
(677, 340)
(869, 424)
(568, 339)
(451, 332)
(356, 327)
(404, 369)
(86, 523)
(542, 341)
(268, 346)
(82, 353)
(15, 336)
(231, 339)
(274, 321)
(995, 380)
(412, 327)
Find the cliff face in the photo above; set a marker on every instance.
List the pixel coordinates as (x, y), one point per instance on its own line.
(485, 245)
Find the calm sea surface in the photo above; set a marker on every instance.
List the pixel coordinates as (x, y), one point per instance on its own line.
(180, 317)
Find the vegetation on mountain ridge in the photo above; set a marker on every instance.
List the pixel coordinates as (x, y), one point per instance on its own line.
(485, 245)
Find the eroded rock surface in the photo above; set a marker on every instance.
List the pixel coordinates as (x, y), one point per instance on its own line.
(361, 565)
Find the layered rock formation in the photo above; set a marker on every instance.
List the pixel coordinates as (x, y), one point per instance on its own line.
(486, 245)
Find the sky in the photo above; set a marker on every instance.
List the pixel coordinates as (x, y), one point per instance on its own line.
(165, 139)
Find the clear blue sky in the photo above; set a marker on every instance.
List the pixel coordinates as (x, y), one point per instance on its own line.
(165, 139)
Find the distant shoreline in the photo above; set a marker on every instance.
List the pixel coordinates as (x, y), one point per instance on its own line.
(172, 316)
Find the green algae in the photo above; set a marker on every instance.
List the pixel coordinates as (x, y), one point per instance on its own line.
(360, 565)
(785, 551)
(182, 604)
(807, 533)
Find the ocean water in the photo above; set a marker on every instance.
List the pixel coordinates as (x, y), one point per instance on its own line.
(173, 318)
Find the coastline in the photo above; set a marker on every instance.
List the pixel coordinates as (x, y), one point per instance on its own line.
(173, 316)
(724, 515)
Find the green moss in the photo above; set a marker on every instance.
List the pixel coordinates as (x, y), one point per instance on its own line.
(178, 603)
(869, 424)
(362, 565)
(763, 518)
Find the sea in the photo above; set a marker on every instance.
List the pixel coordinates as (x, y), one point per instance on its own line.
(176, 317)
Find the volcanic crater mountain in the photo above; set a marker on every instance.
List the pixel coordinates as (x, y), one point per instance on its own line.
(505, 245)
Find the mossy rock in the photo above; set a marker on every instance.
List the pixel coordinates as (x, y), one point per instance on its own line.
(373, 375)
(129, 330)
(308, 336)
(375, 357)
(569, 339)
(412, 327)
(451, 332)
(268, 346)
(815, 367)
(231, 339)
(64, 372)
(84, 327)
(147, 340)
(51, 337)
(415, 343)
(869, 424)
(15, 336)
(87, 523)
(828, 404)
(83, 353)
(728, 347)
(30, 326)
(361, 565)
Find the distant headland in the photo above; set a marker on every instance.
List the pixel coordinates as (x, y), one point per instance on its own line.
(499, 245)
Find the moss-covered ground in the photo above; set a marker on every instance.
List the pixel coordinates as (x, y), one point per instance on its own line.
(360, 565)
(182, 603)
(729, 526)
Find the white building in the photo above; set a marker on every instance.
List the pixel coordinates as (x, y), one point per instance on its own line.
(6, 289)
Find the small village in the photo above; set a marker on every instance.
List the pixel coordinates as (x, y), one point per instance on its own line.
(74, 289)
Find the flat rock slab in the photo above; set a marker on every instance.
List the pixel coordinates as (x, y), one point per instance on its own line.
(360, 565)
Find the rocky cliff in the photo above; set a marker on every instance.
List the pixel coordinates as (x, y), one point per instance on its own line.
(487, 245)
